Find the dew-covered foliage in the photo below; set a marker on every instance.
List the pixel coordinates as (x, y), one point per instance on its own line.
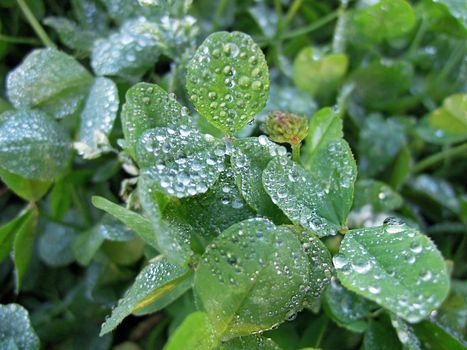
(233, 175)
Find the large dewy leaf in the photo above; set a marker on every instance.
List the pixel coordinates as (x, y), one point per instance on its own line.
(319, 201)
(228, 80)
(49, 80)
(181, 162)
(396, 266)
(252, 277)
(15, 327)
(33, 145)
(149, 106)
(99, 112)
(158, 279)
(249, 158)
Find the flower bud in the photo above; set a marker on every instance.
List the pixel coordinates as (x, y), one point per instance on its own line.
(285, 127)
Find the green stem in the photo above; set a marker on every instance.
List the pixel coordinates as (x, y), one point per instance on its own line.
(460, 150)
(339, 36)
(296, 153)
(293, 11)
(35, 24)
(19, 40)
(418, 37)
(312, 27)
(321, 333)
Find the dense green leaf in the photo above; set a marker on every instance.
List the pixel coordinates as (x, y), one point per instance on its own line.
(346, 308)
(173, 238)
(380, 141)
(385, 19)
(249, 158)
(33, 145)
(452, 116)
(99, 112)
(320, 200)
(228, 80)
(27, 189)
(148, 106)
(23, 245)
(194, 333)
(55, 245)
(405, 334)
(380, 336)
(154, 282)
(135, 221)
(377, 194)
(317, 73)
(253, 342)
(49, 80)
(240, 279)
(15, 326)
(126, 53)
(7, 234)
(70, 34)
(180, 162)
(433, 334)
(396, 266)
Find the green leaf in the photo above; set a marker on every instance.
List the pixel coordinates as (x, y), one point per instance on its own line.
(452, 116)
(380, 336)
(23, 245)
(319, 201)
(210, 213)
(127, 53)
(27, 189)
(180, 162)
(457, 8)
(396, 266)
(71, 34)
(252, 342)
(249, 158)
(33, 145)
(86, 246)
(240, 279)
(55, 245)
(120, 10)
(49, 80)
(380, 196)
(380, 142)
(325, 126)
(228, 80)
(173, 239)
(114, 230)
(401, 169)
(405, 334)
(346, 308)
(15, 326)
(99, 112)
(386, 19)
(433, 335)
(7, 234)
(319, 74)
(134, 221)
(148, 106)
(194, 333)
(320, 266)
(154, 282)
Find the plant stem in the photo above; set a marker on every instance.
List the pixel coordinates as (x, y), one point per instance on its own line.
(313, 26)
(418, 37)
(35, 24)
(296, 153)
(219, 12)
(293, 10)
(19, 40)
(460, 150)
(339, 37)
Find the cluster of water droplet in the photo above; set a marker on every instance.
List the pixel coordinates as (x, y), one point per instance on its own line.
(16, 327)
(184, 162)
(405, 333)
(228, 80)
(292, 190)
(376, 262)
(100, 110)
(130, 51)
(44, 80)
(44, 146)
(264, 264)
